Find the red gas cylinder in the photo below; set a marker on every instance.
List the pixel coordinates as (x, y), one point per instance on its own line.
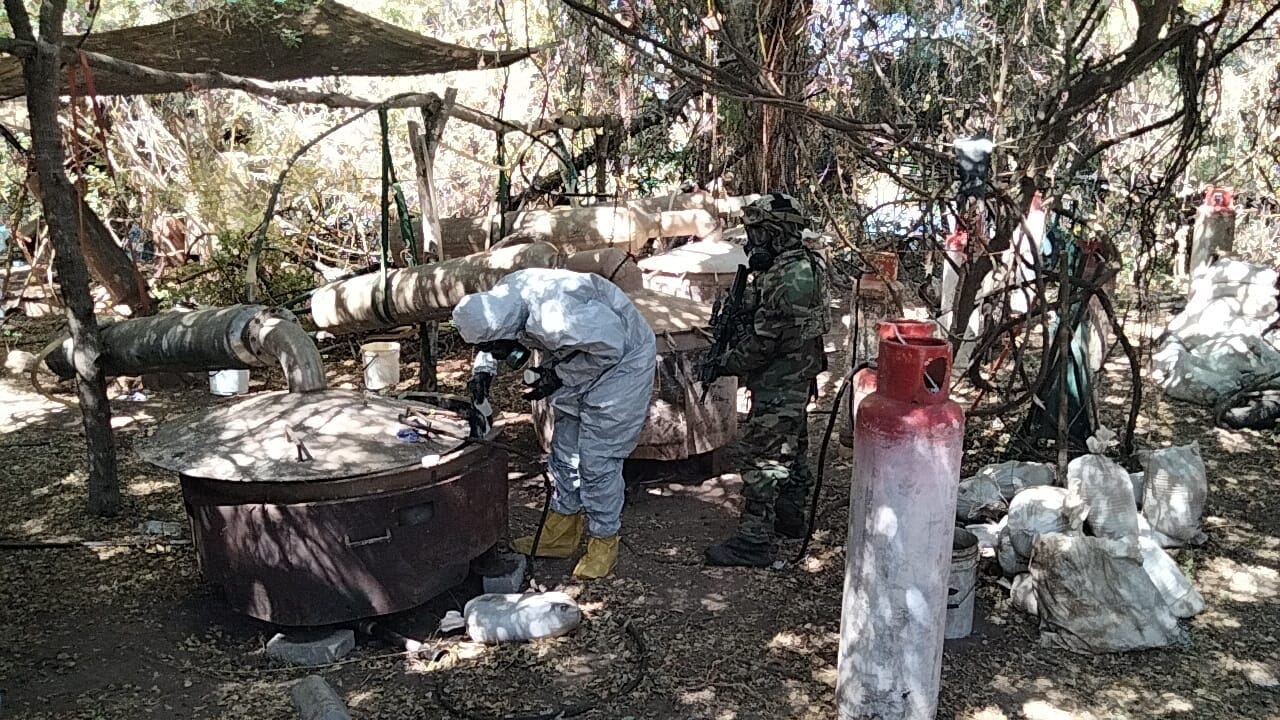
(909, 438)
(864, 381)
(1221, 198)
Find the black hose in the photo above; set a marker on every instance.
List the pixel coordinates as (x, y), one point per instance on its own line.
(822, 455)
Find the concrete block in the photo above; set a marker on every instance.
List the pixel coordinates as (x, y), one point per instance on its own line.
(314, 699)
(311, 647)
(510, 581)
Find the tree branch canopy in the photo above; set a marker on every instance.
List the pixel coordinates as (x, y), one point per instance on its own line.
(313, 40)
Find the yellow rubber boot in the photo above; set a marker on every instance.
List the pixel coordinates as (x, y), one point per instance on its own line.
(560, 537)
(602, 554)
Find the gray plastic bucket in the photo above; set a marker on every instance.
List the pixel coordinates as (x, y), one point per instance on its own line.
(960, 583)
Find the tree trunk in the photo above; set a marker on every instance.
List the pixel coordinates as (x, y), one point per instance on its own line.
(773, 37)
(64, 216)
(431, 246)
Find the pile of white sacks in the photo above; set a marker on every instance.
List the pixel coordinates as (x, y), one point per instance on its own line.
(1089, 559)
(1217, 345)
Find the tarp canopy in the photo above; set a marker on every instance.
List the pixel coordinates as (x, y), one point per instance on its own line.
(319, 39)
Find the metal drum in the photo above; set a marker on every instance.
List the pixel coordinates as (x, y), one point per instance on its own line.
(307, 509)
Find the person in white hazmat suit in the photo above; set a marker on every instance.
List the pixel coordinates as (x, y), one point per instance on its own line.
(598, 359)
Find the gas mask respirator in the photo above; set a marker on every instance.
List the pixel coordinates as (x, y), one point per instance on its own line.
(759, 249)
(509, 352)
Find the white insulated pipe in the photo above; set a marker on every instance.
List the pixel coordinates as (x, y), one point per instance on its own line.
(420, 293)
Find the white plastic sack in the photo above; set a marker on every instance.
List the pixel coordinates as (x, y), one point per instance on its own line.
(1023, 595)
(1183, 598)
(1174, 493)
(1016, 475)
(979, 498)
(1011, 563)
(1232, 272)
(514, 617)
(1091, 601)
(1043, 509)
(988, 535)
(1185, 377)
(1106, 489)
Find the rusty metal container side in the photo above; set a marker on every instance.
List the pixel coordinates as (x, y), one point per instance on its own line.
(678, 426)
(323, 552)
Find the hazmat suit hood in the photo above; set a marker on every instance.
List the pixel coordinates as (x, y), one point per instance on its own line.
(499, 314)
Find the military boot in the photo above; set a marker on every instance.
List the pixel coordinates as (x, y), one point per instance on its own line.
(789, 515)
(752, 545)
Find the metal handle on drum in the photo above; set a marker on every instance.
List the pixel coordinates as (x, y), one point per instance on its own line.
(384, 538)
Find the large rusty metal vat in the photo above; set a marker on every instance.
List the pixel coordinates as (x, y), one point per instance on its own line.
(701, 271)
(369, 525)
(680, 425)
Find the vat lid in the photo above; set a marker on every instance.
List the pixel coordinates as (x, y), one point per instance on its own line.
(347, 432)
(702, 256)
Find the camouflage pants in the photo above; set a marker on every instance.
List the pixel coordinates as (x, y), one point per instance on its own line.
(774, 453)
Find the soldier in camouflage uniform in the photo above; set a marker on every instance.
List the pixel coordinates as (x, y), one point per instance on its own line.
(778, 354)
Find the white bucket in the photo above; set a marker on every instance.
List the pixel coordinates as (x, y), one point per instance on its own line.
(381, 362)
(960, 584)
(229, 382)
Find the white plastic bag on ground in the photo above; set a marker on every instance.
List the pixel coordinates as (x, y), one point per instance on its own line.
(979, 499)
(988, 535)
(1043, 509)
(1183, 598)
(1106, 489)
(1015, 475)
(1011, 563)
(1174, 493)
(1091, 601)
(1185, 377)
(514, 617)
(1023, 595)
(986, 495)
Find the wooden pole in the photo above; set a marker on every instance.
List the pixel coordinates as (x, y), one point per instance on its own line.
(424, 142)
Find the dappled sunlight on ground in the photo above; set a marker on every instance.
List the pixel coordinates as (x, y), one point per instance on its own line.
(133, 632)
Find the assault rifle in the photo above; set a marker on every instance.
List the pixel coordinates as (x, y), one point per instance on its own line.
(724, 319)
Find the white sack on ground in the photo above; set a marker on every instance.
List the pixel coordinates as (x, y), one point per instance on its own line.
(980, 499)
(1092, 601)
(1010, 562)
(1015, 475)
(1105, 487)
(1023, 595)
(1174, 493)
(986, 495)
(1183, 598)
(1216, 344)
(988, 535)
(1043, 509)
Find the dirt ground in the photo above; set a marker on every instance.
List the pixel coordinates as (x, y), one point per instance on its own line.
(134, 632)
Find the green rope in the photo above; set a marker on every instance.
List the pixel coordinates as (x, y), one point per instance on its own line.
(383, 307)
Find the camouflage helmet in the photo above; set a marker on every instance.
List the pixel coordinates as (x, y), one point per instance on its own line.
(775, 208)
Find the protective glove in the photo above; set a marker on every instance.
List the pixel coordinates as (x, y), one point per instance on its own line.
(542, 382)
(478, 388)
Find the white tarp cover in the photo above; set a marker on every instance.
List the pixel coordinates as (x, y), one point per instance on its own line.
(703, 256)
